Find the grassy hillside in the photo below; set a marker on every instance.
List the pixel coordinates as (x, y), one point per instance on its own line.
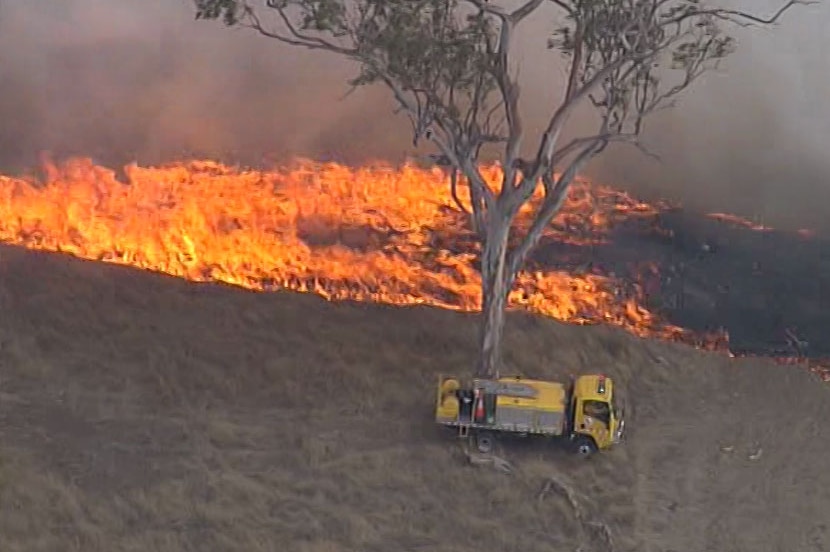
(140, 412)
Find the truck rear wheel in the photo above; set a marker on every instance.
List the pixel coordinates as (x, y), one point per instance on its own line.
(584, 446)
(485, 441)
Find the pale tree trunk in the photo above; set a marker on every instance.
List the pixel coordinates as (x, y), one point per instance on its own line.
(496, 281)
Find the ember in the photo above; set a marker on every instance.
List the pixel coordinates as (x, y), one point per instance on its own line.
(739, 221)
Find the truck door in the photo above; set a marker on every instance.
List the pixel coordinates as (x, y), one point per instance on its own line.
(596, 420)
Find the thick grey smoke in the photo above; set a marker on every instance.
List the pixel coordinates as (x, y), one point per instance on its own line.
(120, 80)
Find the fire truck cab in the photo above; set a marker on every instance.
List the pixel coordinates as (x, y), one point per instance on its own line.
(584, 411)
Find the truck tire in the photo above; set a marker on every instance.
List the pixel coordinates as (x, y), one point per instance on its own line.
(584, 446)
(485, 441)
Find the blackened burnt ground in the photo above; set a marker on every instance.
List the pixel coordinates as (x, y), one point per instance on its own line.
(769, 289)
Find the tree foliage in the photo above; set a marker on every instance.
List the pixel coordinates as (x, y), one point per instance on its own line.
(448, 64)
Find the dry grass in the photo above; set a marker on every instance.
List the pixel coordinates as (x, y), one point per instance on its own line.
(142, 413)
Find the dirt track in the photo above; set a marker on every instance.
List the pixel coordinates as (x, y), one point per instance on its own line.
(139, 412)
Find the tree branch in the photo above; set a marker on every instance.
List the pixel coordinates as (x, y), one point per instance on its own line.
(491, 9)
(544, 157)
(561, 153)
(735, 16)
(482, 197)
(299, 38)
(551, 205)
(454, 191)
(523, 11)
(507, 85)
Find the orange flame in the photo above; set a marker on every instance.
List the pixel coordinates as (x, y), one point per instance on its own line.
(375, 233)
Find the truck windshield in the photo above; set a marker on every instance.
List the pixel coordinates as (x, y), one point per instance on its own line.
(597, 409)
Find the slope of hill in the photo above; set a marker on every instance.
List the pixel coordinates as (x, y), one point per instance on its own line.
(142, 412)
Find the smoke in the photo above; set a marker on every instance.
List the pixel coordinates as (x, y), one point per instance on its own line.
(120, 81)
(753, 136)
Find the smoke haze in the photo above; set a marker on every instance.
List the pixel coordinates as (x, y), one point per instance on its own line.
(120, 80)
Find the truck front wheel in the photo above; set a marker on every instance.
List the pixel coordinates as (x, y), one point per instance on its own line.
(584, 446)
(484, 442)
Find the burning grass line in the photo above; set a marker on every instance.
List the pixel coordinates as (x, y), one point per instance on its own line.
(376, 233)
(83, 210)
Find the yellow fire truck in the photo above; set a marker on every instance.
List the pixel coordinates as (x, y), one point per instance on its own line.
(583, 411)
